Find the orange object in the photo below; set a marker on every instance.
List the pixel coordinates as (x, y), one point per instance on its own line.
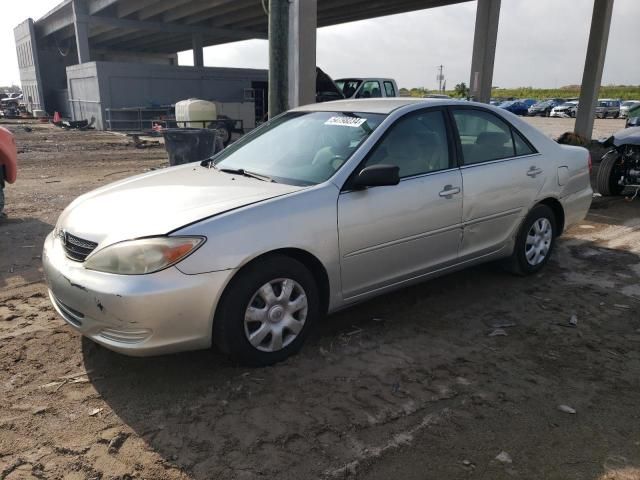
(56, 117)
(8, 155)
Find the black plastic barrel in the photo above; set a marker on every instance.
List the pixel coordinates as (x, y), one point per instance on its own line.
(186, 145)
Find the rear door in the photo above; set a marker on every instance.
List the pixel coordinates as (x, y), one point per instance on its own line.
(394, 233)
(502, 176)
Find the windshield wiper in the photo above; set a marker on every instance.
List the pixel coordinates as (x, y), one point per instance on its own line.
(246, 173)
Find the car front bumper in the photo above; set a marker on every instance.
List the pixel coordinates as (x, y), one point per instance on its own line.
(139, 315)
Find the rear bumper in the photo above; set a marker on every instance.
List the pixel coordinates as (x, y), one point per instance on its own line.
(576, 206)
(138, 315)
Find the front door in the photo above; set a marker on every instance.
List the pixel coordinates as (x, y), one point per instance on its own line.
(394, 233)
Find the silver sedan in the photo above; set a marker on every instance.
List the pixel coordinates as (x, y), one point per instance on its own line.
(322, 207)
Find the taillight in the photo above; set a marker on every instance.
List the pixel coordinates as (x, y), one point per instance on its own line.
(590, 164)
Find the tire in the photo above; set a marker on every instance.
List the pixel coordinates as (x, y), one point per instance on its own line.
(240, 314)
(605, 180)
(526, 258)
(616, 115)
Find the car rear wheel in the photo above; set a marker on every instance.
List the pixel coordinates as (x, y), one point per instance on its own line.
(535, 241)
(607, 178)
(267, 311)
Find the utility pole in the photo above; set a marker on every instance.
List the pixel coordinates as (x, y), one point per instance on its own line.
(278, 56)
(440, 77)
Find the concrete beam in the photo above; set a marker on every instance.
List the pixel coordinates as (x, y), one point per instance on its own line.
(125, 23)
(226, 13)
(192, 9)
(303, 23)
(81, 27)
(159, 7)
(198, 53)
(593, 66)
(484, 49)
(133, 6)
(95, 6)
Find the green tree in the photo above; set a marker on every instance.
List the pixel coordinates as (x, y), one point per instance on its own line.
(461, 90)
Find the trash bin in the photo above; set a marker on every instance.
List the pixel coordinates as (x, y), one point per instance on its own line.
(186, 145)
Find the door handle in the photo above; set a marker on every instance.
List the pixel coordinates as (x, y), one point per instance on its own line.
(449, 190)
(534, 171)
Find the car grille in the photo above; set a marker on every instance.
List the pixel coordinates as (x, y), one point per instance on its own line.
(77, 249)
(72, 316)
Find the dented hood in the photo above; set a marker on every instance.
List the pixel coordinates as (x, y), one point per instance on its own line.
(162, 201)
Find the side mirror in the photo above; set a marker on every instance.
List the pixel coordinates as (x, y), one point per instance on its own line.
(377, 176)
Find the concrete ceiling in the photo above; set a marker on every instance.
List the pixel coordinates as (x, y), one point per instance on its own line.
(168, 26)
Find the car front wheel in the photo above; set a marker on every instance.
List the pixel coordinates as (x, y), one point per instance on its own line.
(534, 242)
(267, 311)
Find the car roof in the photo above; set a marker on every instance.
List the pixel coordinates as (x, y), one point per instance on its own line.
(374, 105)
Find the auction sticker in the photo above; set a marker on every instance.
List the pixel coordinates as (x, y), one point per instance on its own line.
(346, 121)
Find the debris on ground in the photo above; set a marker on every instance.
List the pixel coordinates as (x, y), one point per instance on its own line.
(567, 409)
(498, 332)
(573, 320)
(621, 306)
(504, 325)
(504, 457)
(117, 442)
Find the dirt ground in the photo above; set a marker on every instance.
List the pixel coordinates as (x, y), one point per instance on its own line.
(408, 386)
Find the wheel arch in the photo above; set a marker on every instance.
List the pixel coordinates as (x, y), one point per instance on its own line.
(310, 261)
(558, 211)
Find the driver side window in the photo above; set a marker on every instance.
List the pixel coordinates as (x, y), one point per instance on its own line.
(416, 143)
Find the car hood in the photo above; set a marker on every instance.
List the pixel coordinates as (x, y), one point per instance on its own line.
(162, 201)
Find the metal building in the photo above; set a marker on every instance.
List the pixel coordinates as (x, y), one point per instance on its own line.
(79, 56)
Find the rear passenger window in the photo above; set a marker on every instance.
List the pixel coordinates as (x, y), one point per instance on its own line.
(485, 137)
(389, 89)
(522, 147)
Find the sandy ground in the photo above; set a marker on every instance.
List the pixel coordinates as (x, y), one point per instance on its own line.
(407, 386)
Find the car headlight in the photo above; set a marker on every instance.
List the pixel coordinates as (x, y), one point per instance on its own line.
(146, 255)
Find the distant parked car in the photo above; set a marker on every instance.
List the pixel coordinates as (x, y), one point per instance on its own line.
(515, 106)
(436, 95)
(567, 109)
(633, 117)
(544, 107)
(608, 107)
(626, 106)
(12, 101)
(368, 87)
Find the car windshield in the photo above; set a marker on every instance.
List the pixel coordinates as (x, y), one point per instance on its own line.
(300, 148)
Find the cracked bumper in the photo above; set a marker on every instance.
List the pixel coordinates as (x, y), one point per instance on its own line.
(139, 315)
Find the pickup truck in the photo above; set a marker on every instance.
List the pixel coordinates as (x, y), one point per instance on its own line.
(368, 87)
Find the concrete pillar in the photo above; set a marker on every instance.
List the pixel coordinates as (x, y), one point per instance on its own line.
(303, 23)
(593, 66)
(484, 49)
(278, 56)
(81, 26)
(198, 53)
